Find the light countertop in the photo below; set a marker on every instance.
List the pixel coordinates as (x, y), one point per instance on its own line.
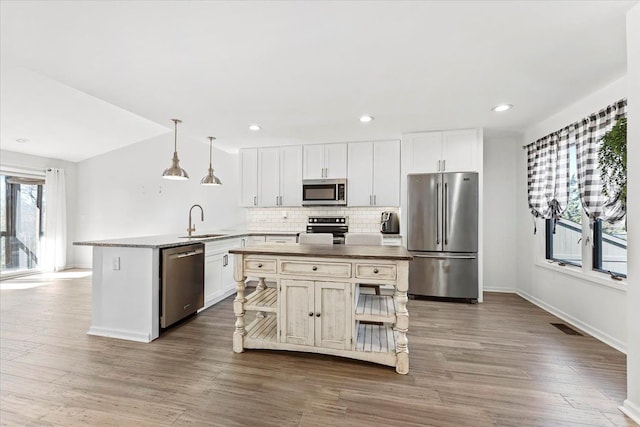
(171, 240)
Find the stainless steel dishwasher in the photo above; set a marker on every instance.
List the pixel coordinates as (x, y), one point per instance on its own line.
(182, 286)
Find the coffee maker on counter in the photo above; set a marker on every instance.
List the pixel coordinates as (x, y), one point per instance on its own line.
(389, 223)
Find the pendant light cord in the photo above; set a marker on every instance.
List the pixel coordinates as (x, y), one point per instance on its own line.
(175, 136)
(211, 138)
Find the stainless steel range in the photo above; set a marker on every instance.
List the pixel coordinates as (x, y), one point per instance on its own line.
(336, 225)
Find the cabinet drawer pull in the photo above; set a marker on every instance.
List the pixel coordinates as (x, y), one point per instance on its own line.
(375, 271)
(259, 265)
(314, 268)
(310, 314)
(317, 314)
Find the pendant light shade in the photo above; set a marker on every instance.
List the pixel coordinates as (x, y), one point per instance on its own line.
(210, 179)
(175, 171)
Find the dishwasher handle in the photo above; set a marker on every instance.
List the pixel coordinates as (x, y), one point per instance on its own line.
(186, 254)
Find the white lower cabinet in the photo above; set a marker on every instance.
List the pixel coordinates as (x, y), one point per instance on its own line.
(316, 314)
(218, 271)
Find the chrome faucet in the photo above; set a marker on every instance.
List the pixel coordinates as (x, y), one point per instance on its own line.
(191, 229)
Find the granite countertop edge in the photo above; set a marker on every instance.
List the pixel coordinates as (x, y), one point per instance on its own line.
(173, 240)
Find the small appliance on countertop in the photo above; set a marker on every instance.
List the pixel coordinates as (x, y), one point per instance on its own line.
(389, 223)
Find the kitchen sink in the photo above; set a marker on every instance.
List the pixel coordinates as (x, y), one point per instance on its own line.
(201, 236)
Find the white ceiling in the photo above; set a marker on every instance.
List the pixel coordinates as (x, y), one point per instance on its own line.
(81, 78)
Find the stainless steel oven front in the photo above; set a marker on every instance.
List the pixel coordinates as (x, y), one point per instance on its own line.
(324, 192)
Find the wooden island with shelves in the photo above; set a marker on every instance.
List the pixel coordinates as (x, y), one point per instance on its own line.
(316, 305)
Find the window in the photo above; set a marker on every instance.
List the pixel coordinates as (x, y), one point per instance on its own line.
(610, 247)
(21, 223)
(565, 245)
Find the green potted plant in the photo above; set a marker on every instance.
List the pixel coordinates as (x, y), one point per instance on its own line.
(612, 162)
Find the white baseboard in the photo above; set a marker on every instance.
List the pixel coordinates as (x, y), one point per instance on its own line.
(501, 290)
(594, 332)
(631, 410)
(119, 333)
(81, 265)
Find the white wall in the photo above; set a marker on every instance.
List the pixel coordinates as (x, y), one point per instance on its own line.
(122, 193)
(499, 221)
(39, 164)
(632, 404)
(598, 309)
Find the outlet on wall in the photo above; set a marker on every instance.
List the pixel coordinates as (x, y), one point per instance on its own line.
(116, 263)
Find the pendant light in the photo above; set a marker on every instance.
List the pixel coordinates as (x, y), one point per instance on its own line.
(210, 179)
(175, 171)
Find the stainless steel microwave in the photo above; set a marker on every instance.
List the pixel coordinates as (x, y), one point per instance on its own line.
(324, 192)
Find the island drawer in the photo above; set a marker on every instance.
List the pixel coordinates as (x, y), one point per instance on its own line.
(333, 269)
(373, 271)
(253, 265)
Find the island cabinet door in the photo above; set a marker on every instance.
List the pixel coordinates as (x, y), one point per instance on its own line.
(333, 315)
(297, 312)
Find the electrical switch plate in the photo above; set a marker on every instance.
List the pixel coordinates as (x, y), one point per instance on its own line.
(116, 263)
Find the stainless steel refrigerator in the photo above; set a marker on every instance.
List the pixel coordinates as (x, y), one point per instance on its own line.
(442, 234)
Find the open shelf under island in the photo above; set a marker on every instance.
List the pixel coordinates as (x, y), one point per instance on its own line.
(316, 304)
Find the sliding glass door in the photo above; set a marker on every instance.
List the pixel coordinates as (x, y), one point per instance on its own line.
(21, 223)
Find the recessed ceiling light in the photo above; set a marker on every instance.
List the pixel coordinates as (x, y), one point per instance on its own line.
(254, 127)
(22, 140)
(502, 107)
(366, 119)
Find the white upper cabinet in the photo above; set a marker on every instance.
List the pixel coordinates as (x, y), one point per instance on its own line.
(324, 161)
(460, 150)
(446, 151)
(249, 177)
(268, 176)
(291, 176)
(374, 173)
(386, 173)
(280, 176)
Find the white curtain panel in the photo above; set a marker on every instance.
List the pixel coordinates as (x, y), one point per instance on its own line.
(55, 236)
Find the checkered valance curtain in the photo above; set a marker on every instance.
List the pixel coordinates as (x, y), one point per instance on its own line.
(588, 135)
(548, 168)
(548, 175)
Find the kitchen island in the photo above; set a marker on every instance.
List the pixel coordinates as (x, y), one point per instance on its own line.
(316, 304)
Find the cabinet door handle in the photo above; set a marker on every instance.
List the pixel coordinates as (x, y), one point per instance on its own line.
(375, 271)
(255, 200)
(438, 166)
(310, 314)
(375, 200)
(315, 268)
(444, 165)
(317, 314)
(259, 265)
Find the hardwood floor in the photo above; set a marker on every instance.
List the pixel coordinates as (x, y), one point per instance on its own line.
(500, 363)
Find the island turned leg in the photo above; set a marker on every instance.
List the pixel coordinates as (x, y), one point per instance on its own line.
(402, 318)
(238, 305)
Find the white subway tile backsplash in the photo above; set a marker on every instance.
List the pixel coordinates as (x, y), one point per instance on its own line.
(361, 220)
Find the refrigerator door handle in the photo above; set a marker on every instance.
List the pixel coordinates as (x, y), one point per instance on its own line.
(444, 220)
(438, 213)
(445, 256)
